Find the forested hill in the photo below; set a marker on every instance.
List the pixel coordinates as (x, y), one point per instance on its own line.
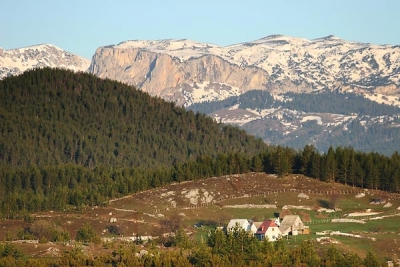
(53, 116)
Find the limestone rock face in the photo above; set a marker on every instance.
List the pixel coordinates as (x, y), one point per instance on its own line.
(156, 73)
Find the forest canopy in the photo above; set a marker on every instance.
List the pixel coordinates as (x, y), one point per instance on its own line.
(53, 116)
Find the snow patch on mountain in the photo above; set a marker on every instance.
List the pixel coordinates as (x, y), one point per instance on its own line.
(207, 92)
(383, 99)
(312, 118)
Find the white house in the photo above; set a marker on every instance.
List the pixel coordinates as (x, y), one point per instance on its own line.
(268, 229)
(291, 224)
(241, 224)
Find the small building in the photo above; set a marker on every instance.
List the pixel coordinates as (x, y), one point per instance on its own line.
(268, 229)
(291, 224)
(306, 230)
(241, 224)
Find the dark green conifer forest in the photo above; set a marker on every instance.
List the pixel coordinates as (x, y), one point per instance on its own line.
(72, 139)
(52, 117)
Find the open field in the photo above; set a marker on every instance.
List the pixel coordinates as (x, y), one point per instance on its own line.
(257, 196)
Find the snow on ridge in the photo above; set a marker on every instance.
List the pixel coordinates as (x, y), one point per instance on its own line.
(321, 62)
(329, 37)
(277, 38)
(37, 46)
(180, 48)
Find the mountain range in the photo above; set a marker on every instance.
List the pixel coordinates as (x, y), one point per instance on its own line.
(186, 71)
(203, 76)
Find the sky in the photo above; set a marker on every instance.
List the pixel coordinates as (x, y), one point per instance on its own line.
(80, 27)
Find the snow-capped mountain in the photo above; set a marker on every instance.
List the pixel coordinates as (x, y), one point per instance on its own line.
(16, 61)
(180, 70)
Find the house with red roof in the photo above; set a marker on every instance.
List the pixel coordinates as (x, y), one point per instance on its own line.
(268, 229)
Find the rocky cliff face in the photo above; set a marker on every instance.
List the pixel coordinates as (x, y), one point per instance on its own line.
(187, 71)
(16, 61)
(164, 75)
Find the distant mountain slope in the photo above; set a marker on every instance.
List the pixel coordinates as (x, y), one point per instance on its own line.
(54, 116)
(322, 119)
(190, 72)
(16, 61)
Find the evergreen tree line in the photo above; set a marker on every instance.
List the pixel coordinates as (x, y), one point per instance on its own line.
(39, 188)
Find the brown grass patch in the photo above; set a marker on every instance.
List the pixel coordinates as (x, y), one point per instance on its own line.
(321, 215)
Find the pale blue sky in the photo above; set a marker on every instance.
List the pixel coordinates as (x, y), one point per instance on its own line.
(82, 26)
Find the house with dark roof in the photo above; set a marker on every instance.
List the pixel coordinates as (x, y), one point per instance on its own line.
(268, 229)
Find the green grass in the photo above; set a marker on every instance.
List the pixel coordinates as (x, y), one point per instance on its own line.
(202, 233)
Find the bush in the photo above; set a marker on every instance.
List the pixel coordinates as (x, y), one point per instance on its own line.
(114, 229)
(43, 240)
(8, 250)
(50, 231)
(87, 234)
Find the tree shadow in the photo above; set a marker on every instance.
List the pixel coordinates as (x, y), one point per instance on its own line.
(377, 201)
(324, 203)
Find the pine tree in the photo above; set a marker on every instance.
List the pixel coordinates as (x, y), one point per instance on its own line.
(282, 160)
(181, 239)
(306, 159)
(330, 165)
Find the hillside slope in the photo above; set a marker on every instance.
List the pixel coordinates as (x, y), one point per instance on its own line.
(53, 116)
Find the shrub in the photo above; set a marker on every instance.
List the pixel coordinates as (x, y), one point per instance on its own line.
(87, 234)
